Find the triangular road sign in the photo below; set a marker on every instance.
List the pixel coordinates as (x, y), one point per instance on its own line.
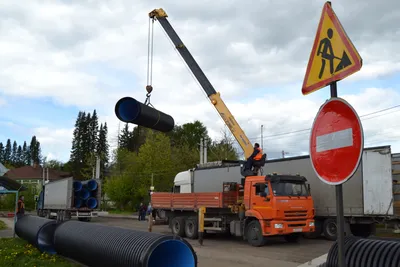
(333, 56)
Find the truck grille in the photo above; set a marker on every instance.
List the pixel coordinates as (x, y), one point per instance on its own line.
(295, 214)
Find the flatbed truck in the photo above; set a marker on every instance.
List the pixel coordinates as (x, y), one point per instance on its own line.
(371, 196)
(256, 208)
(57, 198)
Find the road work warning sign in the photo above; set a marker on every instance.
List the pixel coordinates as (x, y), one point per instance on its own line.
(333, 56)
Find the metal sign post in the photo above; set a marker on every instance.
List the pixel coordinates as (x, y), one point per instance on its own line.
(337, 139)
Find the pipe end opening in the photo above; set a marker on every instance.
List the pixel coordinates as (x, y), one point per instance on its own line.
(127, 109)
(45, 238)
(172, 253)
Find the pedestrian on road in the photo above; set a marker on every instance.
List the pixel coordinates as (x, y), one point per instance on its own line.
(142, 212)
(20, 207)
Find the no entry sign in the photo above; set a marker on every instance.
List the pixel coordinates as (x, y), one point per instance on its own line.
(336, 142)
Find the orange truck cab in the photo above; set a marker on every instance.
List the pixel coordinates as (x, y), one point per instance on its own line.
(277, 205)
(258, 207)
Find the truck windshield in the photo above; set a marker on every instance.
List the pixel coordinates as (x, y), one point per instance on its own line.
(286, 188)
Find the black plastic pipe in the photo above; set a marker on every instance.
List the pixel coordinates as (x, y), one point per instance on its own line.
(105, 246)
(37, 231)
(130, 110)
(361, 252)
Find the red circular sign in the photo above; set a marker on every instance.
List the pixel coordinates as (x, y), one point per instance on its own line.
(336, 142)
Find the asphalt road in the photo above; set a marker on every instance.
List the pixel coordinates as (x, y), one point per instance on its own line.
(221, 251)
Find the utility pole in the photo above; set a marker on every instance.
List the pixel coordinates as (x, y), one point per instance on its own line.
(262, 137)
(97, 168)
(205, 150)
(201, 151)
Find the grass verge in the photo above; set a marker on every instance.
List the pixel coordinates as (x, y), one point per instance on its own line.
(120, 212)
(16, 252)
(3, 225)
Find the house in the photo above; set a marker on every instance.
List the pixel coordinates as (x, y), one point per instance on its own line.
(3, 169)
(34, 174)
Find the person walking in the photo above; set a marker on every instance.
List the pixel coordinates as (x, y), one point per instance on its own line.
(20, 207)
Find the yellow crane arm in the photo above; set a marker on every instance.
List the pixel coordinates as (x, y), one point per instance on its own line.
(213, 95)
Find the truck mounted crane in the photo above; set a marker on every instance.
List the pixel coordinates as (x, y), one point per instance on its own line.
(258, 206)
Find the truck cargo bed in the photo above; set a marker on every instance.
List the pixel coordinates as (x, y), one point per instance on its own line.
(192, 201)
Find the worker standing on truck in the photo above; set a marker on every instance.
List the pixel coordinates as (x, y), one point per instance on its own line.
(257, 155)
(20, 207)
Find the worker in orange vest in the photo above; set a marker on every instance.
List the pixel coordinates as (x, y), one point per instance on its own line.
(21, 207)
(257, 155)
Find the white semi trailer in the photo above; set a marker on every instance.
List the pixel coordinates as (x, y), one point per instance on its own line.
(59, 200)
(371, 196)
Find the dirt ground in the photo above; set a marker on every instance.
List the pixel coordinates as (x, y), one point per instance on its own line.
(221, 251)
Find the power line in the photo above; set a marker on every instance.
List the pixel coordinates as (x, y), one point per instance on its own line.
(308, 129)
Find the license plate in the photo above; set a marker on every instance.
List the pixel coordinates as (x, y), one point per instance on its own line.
(296, 230)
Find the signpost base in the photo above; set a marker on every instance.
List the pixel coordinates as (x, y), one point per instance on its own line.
(340, 225)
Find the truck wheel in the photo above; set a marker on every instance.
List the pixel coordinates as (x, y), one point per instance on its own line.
(254, 234)
(292, 238)
(192, 228)
(178, 226)
(317, 232)
(330, 229)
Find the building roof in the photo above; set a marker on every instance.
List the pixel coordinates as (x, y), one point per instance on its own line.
(3, 169)
(30, 172)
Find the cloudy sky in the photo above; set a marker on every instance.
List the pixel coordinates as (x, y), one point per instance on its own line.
(59, 57)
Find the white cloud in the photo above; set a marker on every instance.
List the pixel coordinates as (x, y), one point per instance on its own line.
(55, 142)
(73, 52)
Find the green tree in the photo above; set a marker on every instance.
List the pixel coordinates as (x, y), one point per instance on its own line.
(26, 154)
(223, 149)
(190, 133)
(125, 139)
(1, 152)
(155, 157)
(103, 149)
(55, 164)
(14, 149)
(7, 152)
(19, 157)
(93, 131)
(35, 150)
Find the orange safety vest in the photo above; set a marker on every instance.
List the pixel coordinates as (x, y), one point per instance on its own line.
(259, 155)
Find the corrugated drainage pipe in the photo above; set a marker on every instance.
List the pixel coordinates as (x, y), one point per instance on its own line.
(77, 202)
(361, 252)
(91, 203)
(37, 231)
(77, 185)
(84, 194)
(105, 246)
(92, 185)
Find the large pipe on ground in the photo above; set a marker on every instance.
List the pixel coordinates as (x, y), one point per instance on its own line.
(130, 110)
(362, 252)
(37, 231)
(105, 246)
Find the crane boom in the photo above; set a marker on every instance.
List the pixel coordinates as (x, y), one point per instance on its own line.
(212, 94)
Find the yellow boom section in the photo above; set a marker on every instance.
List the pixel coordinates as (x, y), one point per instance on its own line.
(232, 124)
